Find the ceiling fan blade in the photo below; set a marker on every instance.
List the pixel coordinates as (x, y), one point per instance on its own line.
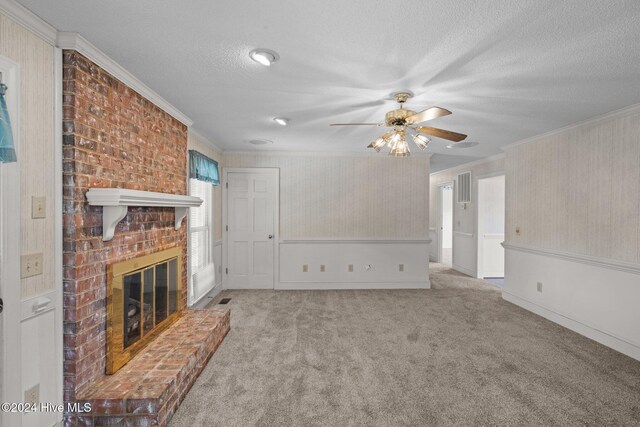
(355, 124)
(441, 133)
(428, 114)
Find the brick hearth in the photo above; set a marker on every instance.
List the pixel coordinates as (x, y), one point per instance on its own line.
(148, 389)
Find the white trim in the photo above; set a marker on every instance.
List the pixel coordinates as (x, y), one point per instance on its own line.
(29, 20)
(631, 109)
(351, 285)
(287, 153)
(440, 219)
(471, 164)
(463, 234)
(205, 299)
(463, 270)
(591, 332)
(116, 202)
(585, 259)
(58, 225)
(349, 240)
(74, 41)
(10, 250)
(205, 139)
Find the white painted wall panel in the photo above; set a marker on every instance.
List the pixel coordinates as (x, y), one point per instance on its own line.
(601, 303)
(383, 257)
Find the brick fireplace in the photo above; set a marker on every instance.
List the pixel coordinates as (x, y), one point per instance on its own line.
(113, 138)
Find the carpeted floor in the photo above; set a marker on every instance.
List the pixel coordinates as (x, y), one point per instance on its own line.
(452, 355)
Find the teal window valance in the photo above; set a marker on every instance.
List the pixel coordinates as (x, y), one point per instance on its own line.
(7, 149)
(203, 168)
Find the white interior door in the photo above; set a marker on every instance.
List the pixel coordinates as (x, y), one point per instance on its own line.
(252, 203)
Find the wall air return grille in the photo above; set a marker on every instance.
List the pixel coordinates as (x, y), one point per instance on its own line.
(464, 187)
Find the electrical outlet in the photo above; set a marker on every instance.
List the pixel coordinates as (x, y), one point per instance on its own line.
(321, 268)
(539, 286)
(305, 268)
(38, 207)
(31, 265)
(350, 268)
(401, 267)
(32, 396)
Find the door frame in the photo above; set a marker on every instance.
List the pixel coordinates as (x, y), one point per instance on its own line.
(480, 230)
(276, 221)
(10, 250)
(440, 219)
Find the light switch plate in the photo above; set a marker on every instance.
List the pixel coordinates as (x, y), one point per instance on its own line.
(31, 265)
(38, 207)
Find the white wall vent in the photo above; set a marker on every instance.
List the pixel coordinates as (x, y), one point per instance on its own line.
(464, 187)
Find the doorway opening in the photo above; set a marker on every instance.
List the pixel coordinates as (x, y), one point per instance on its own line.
(491, 213)
(446, 224)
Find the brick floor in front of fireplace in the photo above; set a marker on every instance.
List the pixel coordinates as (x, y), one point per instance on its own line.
(149, 388)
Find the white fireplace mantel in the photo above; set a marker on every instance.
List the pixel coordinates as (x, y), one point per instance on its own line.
(116, 201)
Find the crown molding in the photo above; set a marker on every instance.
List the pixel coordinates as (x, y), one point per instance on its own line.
(206, 140)
(71, 40)
(286, 153)
(29, 20)
(622, 112)
(471, 164)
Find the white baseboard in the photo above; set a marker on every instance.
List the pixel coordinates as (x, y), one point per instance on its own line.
(576, 326)
(350, 285)
(206, 298)
(464, 270)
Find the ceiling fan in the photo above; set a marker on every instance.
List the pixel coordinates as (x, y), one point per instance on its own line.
(404, 122)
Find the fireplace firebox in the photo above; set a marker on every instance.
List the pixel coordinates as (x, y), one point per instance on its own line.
(142, 301)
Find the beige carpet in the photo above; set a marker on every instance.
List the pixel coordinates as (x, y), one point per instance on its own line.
(445, 356)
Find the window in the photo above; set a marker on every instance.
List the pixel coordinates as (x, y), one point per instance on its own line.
(201, 238)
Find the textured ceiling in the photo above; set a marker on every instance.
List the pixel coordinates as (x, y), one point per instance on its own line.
(506, 69)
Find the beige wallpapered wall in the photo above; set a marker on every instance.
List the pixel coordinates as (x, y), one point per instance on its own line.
(348, 197)
(465, 217)
(36, 156)
(196, 142)
(578, 191)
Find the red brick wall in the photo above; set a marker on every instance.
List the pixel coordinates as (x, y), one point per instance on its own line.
(113, 137)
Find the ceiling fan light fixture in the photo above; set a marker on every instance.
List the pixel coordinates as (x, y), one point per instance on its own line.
(400, 148)
(282, 121)
(378, 144)
(264, 57)
(421, 141)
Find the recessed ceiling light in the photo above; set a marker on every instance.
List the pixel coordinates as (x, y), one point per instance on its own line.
(463, 144)
(260, 142)
(282, 121)
(265, 57)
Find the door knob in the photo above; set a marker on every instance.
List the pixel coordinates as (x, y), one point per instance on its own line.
(270, 236)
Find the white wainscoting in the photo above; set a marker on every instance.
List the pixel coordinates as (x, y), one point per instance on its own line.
(39, 339)
(433, 246)
(383, 256)
(597, 298)
(492, 255)
(464, 253)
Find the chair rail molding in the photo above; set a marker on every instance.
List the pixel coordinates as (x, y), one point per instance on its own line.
(585, 259)
(116, 201)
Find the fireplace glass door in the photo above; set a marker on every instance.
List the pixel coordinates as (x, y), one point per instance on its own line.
(143, 300)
